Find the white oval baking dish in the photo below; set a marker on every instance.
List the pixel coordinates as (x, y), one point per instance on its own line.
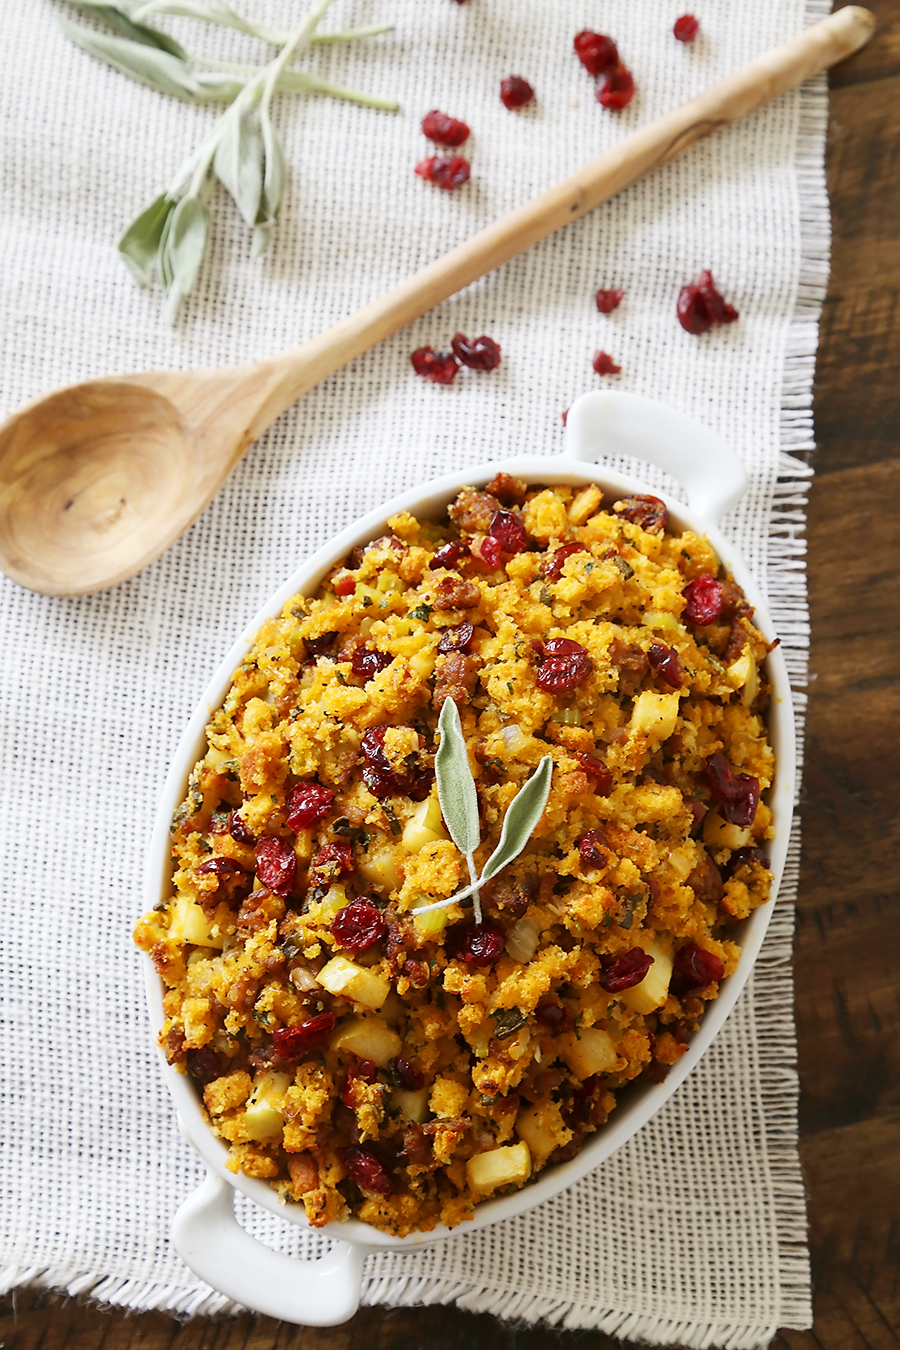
(326, 1292)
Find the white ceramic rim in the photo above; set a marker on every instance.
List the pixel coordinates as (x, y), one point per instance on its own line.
(641, 1101)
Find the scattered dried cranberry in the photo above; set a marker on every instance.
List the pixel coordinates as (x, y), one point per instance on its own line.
(457, 639)
(666, 664)
(358, 926)
(204, 1064)
(604, 364)
(481, 353)
(596, 51)
(743, 857)
(593, 849)
(515, 92)
(626, 971)
(737, 793)
(220, 867)
(686, 28)
(307, 804)
(486, 550)
(366, 663)
(445, 171)
(564, 416)
(409, 1075)
(361, 1070)
(552, 1015)
(443, 129)
(439, 367)
(276, 864)
(319, 646)
(367, 1170)
(696, 966)
(607, 301)
(642, 509)
(565, 665)
(698, 811)
(448, 555)
(596, 769)
(294, 1043)
(703, 598)
(584, 1109)
(615, 88)
(507, 528)
(382, 780)
(240, 832)
(552, 563)
(479, 944)
(701, 304)
(332, 861)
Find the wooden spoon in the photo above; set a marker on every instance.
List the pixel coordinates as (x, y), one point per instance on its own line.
(98, 479)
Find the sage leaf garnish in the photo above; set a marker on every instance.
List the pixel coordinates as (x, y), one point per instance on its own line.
(186, 244)
(455, 784)
(126, 27)
(139, 244)
(508, 1023)
(274, 182)
(238, 161)
(525, 810)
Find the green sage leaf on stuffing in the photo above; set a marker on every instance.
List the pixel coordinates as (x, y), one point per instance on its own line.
(185, 246)
(455, 784)
(125, 27)
(525, 810)
(139, 245)
(159, 70)
(239, 162)
(508, 1023)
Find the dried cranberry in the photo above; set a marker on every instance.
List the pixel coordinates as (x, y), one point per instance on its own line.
(319, 646)
(704, 600)
(367, 1170)
(642, 509)
(565, 666)
(564, 416)
(596, 769)
(448, 555)
(409, 1075)
(583, 1100)
(744, 857)
(698, 811)
(486, 550)
(607, 301)
(686, 28)
(443, 129)
(515, 92)
(358, 926)
(457, 639)
(381, 780)
(293, 1043)
(240, 832)
(204, 1064)
(479, 944)
(738, 793)
(666, 664)
(220, 867)
(507, 528)
(439, 367)
(362, 1070)
(696, 966)
(615, 88)
(701, 304)
(552, 1015)
(604, 364)
(593, 849)
(552, 563)
(481, 353)
(626, 971)
(276, 864)
(332, 861)
(367, 662)
(445, 171)
(596, 51)
(307, 804)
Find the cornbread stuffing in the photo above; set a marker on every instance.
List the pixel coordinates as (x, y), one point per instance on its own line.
(398, 1066)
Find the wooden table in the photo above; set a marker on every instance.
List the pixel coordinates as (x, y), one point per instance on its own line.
(848, 936)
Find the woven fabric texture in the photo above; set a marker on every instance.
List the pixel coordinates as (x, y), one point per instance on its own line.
(695, 1231)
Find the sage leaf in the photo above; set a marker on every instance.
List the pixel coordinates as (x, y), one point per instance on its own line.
(186, 242)
(139, 245)
(274, 180)
(239, 162)
(126, 27)
(525, 810)
(159, 70)
(455, 784)
(508, 1023)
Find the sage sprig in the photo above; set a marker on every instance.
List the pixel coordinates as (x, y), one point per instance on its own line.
(243, 152)
(459, 806)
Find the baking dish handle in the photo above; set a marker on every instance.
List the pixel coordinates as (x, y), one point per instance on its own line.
(209, 1240)
(604, 423)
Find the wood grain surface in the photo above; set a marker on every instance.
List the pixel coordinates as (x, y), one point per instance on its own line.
(847, 964)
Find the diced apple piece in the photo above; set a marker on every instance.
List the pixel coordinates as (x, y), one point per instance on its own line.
(379, 865)
(543, 1129)
(189, 924)
(591, 1051)
(425, 825)
(507, 1166)
(659, 619)
(654, 715)
(653, 989)
(369, 1037)
(345, 978)
(263, 1118)
(584, 504)
(742, 674)
(412, 1105)
(719, 833)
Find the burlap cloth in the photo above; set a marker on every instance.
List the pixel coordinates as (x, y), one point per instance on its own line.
(695, 1231)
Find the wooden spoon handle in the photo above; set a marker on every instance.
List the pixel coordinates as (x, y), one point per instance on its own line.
(813, 50)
